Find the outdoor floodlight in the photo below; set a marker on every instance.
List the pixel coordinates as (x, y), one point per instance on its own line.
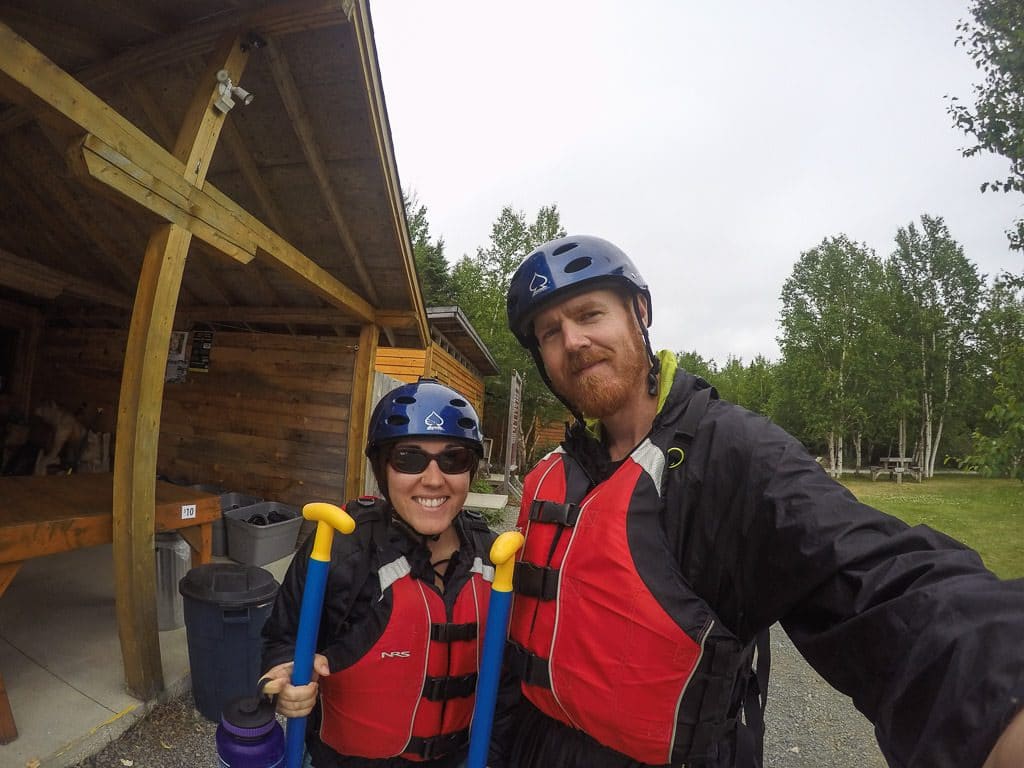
(227, 92)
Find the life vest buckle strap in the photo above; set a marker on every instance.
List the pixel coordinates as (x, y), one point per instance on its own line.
(553, 512)
(535, 581)
(436, 746)
(531, 668)
(444, 688)
(450, 633)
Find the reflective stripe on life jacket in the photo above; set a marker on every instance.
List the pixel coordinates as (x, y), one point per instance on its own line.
(616, 647)
(412, 694)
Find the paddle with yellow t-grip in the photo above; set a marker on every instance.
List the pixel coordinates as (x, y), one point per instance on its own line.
(503, 552)
(329, 518)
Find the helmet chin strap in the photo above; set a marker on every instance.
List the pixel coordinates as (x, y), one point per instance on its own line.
(535, 352)
(652, 375)
(407, 527)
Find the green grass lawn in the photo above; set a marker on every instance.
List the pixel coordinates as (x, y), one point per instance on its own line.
(987, 515)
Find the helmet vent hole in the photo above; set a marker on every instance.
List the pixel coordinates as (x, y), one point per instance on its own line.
(458, 403)
(578, 264)
(396, 421)
(405, 400)
(466, 423)
(563, 249)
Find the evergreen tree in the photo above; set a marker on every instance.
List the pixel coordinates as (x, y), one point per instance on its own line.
(431, 265)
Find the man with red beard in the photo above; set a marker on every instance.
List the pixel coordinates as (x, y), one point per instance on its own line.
(671, 529)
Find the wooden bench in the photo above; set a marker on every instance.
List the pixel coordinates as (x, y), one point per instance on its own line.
(486, 502)
(44, 515)
(878, 470)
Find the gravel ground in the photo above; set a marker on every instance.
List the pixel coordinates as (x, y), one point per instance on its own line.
(809, 726)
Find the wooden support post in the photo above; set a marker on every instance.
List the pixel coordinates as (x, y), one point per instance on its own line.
(7, 571)
(142, 388)
(359, 410)
(200, 539)
(8, 730)
(138, 429)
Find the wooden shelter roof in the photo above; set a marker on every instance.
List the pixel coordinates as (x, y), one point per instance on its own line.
(306, 170)
(455, 329)
(130, 199)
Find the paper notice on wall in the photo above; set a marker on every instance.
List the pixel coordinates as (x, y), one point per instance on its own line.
(177, 358)
(202, 343)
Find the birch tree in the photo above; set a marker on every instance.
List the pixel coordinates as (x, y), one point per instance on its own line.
(941, 292)
(998, 443)
(826, 329)
(480, 283)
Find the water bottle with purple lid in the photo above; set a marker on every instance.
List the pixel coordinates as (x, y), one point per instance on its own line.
(249, 735)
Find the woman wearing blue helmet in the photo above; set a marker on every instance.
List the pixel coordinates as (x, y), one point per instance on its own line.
(406, 601)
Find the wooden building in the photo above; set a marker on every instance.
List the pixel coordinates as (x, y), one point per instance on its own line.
(455, 356)
(222, 169)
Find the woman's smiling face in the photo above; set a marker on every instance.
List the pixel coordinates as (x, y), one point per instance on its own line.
(428, 500)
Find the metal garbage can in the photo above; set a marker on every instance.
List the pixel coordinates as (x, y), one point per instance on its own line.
(226, 605)
(173, 557)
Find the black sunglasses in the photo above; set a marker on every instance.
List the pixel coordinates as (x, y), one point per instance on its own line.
(451, 461)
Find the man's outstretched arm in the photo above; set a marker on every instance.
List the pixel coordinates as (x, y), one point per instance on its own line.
(1009, 750)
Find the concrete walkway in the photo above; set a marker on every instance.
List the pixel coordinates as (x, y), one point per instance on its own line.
(61, 659)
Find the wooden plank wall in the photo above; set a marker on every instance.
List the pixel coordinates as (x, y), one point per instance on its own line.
(409, 364)
(80, 369)
(269, 418)
(450, 371)
(552, 433)
(382, 384)
(15, 401)
(401, 363)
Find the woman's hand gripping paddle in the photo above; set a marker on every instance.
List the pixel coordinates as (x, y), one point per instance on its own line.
(503, 552)
(329, 519)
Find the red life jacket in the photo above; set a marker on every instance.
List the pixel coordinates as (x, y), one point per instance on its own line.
(412, 694)
(607, 635)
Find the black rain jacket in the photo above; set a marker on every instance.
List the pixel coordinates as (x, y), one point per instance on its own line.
(908, 622)
(355, 614)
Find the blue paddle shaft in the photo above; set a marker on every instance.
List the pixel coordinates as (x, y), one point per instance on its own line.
(305, 647)
(490, 675)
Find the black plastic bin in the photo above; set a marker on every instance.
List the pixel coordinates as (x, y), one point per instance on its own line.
(225, 606)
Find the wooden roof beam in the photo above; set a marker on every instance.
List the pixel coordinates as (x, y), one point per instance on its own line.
(303, 128)
(50, 31)
(132, 15)
(109, 253)
(361, 24)
(398, 319)
(145, 172)
(278, 315)
(285, 315)
(213, 217)
(233, 140)
(142, 389)
(199, 40)
(157, 117)
(33, 278)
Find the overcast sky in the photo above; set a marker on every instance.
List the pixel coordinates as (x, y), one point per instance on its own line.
(713, 142)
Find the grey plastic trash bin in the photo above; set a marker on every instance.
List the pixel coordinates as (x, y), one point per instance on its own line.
(226, 605)
(173, 557)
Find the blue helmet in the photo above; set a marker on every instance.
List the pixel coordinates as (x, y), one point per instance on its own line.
(560, 267)
(424, 409)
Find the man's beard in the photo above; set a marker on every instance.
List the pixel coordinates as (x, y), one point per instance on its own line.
(603, 393)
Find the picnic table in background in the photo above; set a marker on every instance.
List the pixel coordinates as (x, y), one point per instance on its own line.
(44, 515)
(486, 502)
(896, 467)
